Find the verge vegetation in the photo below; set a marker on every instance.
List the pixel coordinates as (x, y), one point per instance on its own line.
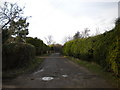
(12, 73)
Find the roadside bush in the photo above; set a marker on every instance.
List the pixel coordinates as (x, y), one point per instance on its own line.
(103, 49)
(17, 55)
(39, 45)
(56, 48)
(5, 35)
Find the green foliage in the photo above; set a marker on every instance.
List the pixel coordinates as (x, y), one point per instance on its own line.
(29, 68)
(17, 55)
(13, 23)
(66, 48)
(56, 48)
(103, 49)
(39, 45)
(20, 27)
(77, 35)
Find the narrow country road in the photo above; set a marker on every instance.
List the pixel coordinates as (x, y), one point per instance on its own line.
(58, 72)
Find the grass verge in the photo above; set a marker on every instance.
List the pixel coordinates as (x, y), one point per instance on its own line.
(31, 67)
(97, 69)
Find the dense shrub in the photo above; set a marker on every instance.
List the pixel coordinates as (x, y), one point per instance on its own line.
(5, 35)
(39, 45)
(55, 48)
(17, 55)
(103, 49)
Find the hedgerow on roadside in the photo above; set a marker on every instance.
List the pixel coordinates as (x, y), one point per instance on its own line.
(103, 49)
(39, 45)
(17, 55)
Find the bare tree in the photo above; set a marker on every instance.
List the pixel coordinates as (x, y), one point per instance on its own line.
(49, 40)
(97, 31)
(85, 33)
(67, 38)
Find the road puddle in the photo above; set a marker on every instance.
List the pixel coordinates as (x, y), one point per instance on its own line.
(64, 75)
(39, 71)
(47, 78)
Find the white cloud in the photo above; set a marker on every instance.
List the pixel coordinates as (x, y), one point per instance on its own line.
(61, 18)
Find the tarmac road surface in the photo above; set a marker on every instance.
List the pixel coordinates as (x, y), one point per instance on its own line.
(57, 71)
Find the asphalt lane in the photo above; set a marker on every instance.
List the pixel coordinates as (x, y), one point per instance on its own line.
(58, 72)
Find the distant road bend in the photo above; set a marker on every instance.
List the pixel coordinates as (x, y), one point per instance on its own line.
(57, 71)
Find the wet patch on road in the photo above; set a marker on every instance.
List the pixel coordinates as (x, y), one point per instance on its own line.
(47, 78)
(39, 71)
(64, 75)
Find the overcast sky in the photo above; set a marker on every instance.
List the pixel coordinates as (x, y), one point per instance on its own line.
(61, 18)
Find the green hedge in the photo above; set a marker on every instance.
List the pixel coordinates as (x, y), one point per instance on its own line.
(56, 48)
(103, 49)
(39, 45)
(17, 55)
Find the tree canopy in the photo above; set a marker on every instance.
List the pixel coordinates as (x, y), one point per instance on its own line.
(12, 22)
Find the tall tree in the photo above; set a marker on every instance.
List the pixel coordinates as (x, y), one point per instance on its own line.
(9, 12)
(77, 35)
(20, 28)
(12, 22)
